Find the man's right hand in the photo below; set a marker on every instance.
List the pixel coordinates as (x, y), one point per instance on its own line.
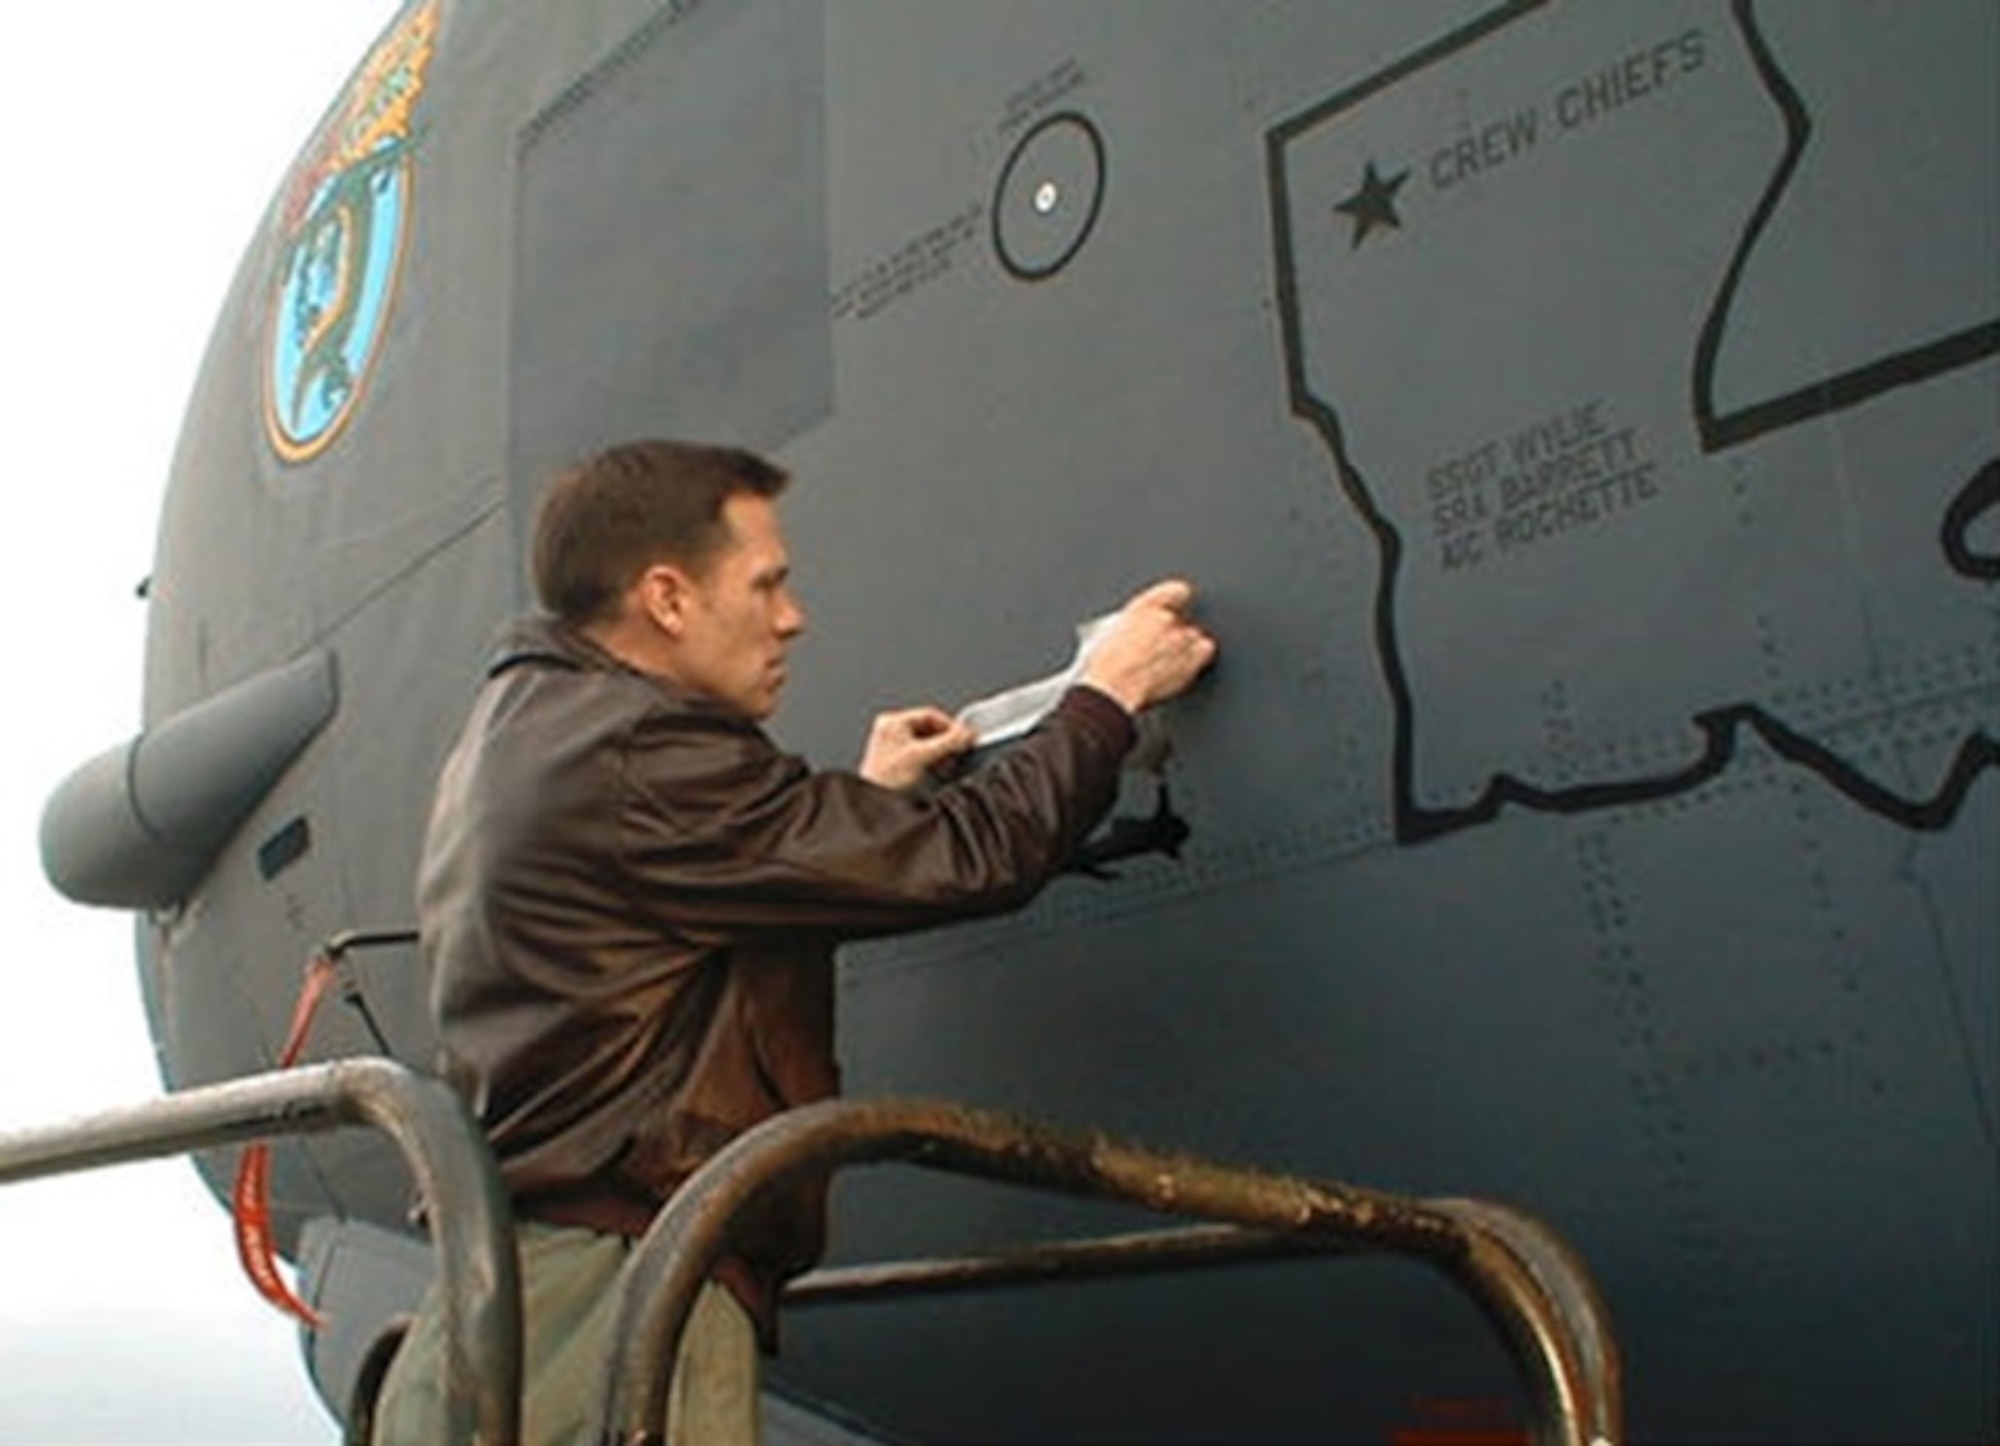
(905, 745)
(1153, 651)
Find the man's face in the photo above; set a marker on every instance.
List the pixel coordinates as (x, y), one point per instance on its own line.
(738, 616)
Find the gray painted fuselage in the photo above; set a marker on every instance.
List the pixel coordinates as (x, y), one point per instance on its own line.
(1583, 423)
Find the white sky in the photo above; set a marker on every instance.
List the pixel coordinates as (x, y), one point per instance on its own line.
(144, 138)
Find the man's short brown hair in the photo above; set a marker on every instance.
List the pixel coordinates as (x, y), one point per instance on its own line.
(607, 519)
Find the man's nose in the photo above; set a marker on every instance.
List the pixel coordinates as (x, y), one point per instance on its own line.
(791, 616)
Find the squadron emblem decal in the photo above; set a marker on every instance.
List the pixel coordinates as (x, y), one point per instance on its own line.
(343, 220)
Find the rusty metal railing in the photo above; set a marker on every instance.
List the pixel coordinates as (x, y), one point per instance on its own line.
(1521, 1273)
(478, 1268)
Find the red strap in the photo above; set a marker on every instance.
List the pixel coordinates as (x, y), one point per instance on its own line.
(250, 1201)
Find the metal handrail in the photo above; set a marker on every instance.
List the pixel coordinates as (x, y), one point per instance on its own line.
(470, 1218)
(1518, 1269)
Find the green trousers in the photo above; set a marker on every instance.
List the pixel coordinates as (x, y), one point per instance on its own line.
(567, 1301)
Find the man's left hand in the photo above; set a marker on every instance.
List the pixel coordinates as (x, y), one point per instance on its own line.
(906, 744)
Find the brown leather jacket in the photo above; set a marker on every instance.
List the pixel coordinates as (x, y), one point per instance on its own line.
(630, 898)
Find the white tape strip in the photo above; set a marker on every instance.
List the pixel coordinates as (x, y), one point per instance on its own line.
(1001, 716)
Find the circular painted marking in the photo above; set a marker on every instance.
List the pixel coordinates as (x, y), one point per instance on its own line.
(1049, 196)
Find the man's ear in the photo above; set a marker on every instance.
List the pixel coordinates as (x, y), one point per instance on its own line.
(663, 593)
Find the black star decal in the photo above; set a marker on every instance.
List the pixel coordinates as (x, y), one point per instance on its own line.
(1374, 205)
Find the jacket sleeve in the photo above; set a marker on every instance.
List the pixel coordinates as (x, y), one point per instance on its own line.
(723, 833)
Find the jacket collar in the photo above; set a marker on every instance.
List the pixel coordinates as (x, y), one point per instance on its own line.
(543, 641)
(537, 638)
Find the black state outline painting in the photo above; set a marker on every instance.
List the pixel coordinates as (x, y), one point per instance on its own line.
(1721, 730)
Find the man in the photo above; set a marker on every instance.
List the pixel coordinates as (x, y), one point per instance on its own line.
(630, 898)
